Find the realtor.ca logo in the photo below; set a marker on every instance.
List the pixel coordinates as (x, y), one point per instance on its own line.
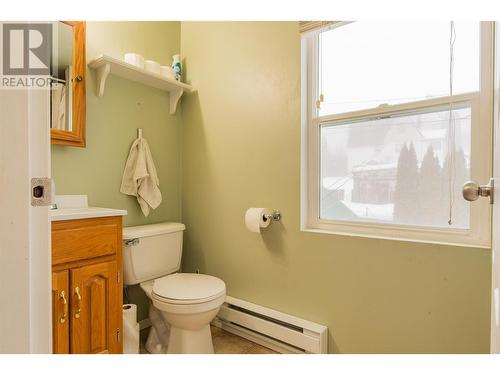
(26, 55)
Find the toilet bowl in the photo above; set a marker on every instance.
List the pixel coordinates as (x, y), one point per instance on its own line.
(186, 302)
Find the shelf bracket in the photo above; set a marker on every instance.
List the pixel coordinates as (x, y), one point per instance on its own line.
(174, 99)
(102, 75)
(106, 65)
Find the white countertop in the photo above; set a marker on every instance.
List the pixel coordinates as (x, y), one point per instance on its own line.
(83, 213)
(74, 207)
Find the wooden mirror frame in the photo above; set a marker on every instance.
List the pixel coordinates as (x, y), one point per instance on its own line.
(75, 137)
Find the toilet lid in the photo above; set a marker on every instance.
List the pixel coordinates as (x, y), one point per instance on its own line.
(188, 286)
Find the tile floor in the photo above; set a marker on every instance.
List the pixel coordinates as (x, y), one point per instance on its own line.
(227, 343)
(224, 343)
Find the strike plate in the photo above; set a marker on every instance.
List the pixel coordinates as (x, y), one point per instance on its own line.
(41, 191)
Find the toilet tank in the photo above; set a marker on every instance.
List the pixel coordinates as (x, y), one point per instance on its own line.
(151, 251)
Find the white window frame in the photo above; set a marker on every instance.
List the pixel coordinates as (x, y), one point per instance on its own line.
(479, 234)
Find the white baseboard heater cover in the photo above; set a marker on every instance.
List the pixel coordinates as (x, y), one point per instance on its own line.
(270, 328)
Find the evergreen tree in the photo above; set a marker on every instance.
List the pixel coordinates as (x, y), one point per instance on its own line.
(430, 201)
(399, 201)
(405, 194)
(413, 191)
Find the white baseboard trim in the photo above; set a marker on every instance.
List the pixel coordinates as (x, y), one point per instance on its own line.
(270, 328)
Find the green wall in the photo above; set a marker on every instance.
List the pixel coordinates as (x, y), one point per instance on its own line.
(238, 139)
(112, 123)
(241, 148)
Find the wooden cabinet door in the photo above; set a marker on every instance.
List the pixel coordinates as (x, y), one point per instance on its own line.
(60, 312)
(96, 309)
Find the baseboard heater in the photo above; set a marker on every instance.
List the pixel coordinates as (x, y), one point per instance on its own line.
(273, 329)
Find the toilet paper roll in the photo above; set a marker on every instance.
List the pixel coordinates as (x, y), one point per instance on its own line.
(134, 59)
(255, 219)
(130, 313)
(152, 66)
(130, 329)
(167, 72)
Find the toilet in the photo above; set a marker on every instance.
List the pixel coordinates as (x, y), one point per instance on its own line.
(182, 304)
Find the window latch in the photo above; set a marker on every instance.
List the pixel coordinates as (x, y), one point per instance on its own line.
(319, 101)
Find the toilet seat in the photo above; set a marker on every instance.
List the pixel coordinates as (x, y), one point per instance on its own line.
(196, 307)
(188, 289)
(188, 301)
(187, 304)
(188, 293)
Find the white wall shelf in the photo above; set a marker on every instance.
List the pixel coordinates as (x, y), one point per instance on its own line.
(106, 65)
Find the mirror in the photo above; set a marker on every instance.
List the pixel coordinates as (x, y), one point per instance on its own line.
(62, 65)
(67, 97)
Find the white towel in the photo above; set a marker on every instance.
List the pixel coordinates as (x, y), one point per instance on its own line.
(140, 178)
(59, 107)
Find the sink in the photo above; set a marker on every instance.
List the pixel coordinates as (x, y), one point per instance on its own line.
(73, 207)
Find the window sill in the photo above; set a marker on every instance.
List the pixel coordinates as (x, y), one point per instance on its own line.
(404, 238)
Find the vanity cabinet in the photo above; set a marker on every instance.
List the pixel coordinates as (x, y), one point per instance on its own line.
(87, 285)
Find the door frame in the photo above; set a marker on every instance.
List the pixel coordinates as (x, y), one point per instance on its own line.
(40, 264)
(495, 248)
(24, 229)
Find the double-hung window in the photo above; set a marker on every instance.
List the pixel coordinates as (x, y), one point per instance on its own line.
(396, 117)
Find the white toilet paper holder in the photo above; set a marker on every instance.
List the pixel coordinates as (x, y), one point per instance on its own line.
(273, 216)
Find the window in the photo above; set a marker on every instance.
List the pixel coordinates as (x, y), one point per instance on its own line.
(396, 117)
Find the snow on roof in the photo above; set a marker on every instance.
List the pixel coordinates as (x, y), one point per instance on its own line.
(375, 167)
(383, 212)
(433, 133)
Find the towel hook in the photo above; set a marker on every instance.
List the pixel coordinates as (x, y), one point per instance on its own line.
(139, 133)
